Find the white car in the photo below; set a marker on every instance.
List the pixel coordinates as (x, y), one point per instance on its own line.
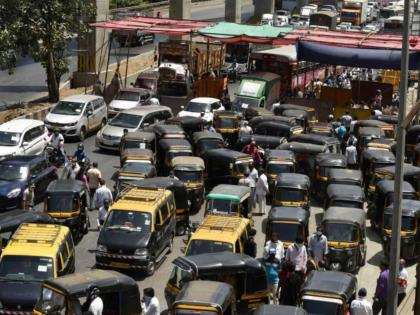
(201, 107)
(77, 115)
(23, 137)
(126, 99)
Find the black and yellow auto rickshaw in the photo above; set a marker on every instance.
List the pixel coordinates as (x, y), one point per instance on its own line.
(325, 162)
(206, 140)
(277, 162)
(367, 135)
(227, 123)
(188, 124)
(301, 117)
(270, 309)
(305, 154)
(411, 174)
(291, 189)
(276, 129)
(346, 176)
(67, 201)
(263, 142)
(383, 197)
(370, 161)
(332, 143)
(252, 112)
(132, 171)
(180, 193)
(167, 150)
(138, 140)
(412, 138)
(410, 225)
(137, 156)
(65, 295)
(322, 129)
(230, 200)
(289, 121)
(224, 166)
(389, 119)
(387, 130)
(11, 220)
(328, 292)
(190, 170)
(288, 223)
(345, 230)
(292, 110)
(168, 132)
(383, 144)
(205, 297)
(245, 274)
(339, 195)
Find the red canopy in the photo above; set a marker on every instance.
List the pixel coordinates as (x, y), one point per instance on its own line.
(154, 25)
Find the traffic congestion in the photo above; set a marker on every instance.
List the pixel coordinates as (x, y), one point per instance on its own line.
(229, 178)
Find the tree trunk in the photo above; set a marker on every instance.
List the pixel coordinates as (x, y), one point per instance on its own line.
(53, 86)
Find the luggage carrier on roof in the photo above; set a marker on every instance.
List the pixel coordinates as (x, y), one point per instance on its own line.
(40, 234)
(143, 194)
(221, 223)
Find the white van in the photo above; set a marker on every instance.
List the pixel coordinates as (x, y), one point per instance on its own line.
(267, 19)
(75, 116)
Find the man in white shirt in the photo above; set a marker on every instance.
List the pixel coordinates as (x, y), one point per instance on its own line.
(318, 245)
(361, 306)
(103, 198)
(261, 191)
(150, 304)
(402, 281)
(275, 243)
(351, 155)
(253, 179)
(296, 253)
(245, 130)
(96, 306)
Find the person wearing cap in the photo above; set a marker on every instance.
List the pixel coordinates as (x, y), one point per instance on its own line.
(361, 306)
(296, 253)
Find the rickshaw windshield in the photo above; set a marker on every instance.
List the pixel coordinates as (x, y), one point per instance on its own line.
(194, 312)
(277, 168)
(188, 176)
(209, 144)
(134, 221)
(242, 167)
(286, 231)
(221, 206)
(389, 134)
(172, 154)
(323, 170)
(179, 277)
(61, 203)
(204, 246)
(316, 307)
(134, 145)
(341, 232)
(288, 194)
(49, 299)
(346, 203)
(408, 224)
(224, 122)
(29, 268)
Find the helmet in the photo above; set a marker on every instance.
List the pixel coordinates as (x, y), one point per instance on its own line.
(154, 101)
(80, 147)
(93, 292)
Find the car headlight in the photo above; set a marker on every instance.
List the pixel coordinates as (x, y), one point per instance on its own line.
(72, 124)
(14, 193)
(141, 252)
(101, 248)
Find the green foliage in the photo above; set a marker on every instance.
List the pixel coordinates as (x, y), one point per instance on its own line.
(42, 29)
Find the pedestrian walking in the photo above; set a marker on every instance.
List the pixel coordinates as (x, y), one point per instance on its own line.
(272, 266)
(318, 245)
(102, 199)
(292, 286)
(346, 120)
(351, 155)
(296, 253)
(245, 129)
(402, 281)
(28, 197)
(253, 179)
(93, 176)
(340, 131)
(275, 243)
(380, 297)
(361, 306)
(252, 150)
(81, 175)
(261, 191)
(150, 303)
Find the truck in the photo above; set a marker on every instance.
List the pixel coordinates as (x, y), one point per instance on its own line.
(181, 62)
(259, 89)
(305, 14)
(355, 12)
(323, 20)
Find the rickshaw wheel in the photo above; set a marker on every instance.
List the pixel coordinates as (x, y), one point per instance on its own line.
(181, 229)
(151, 267)
(363, 261)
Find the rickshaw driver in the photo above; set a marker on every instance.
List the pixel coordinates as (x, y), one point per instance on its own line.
(94, 304)
(57, 141)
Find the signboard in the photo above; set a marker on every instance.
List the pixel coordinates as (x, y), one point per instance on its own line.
(250, 89)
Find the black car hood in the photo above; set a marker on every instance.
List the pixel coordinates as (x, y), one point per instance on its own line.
(124, 240)
(7, 186)
(19, 293)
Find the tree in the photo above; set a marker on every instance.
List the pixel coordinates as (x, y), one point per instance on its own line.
(43, 29)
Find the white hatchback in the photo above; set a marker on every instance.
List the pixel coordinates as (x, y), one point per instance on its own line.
(23, 137)
(202, 107)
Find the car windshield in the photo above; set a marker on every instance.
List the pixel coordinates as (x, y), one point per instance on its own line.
(241, 103)
(226, 123)
(408, 224)
(242, 167)
(196, 107)
(276, 168)
(340, 232)
(126, 120)
(68, 108)
(289, 195)
(188, 176)
(13, 172)
(286, 231)
(221, 206)
(204, 246)
(315, 307)
(134, 221)
(60, 203)
(26, 268)
(9, 138)
(127, 96)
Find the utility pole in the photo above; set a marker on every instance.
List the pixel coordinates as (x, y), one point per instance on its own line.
(396, 222)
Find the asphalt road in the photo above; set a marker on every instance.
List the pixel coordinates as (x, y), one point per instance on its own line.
(85, 258)
(29, 80)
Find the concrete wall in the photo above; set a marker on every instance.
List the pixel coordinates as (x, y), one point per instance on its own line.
(180, 9)
(233, 11)
(263, 6)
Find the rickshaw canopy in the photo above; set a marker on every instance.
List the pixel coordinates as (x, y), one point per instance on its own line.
(189, 124)
(314, 138)
(137, 154)
(345, 176)
(234, 193)
(331, 160)
(378, 156)
(173, 144)
(293, 180)
(295, 214)
(11, 220)
(140, 136)
(308, 148)
(204, 135)
(297, 113)
(227, 114)
(345, 192)
(408, 170)
(410, 208)
(225, 155)
(372, 132)
(162, 130)
(66, 186)
(187, 163)
(390, 119)
(279, 155)
(267, 142)
(412, 134)
(345, 215)
(271, 309)
(386, 186)
(289, 121)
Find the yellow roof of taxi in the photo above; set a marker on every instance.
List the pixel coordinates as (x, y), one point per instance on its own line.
(221, 228)
(36, 240)
(141, 199)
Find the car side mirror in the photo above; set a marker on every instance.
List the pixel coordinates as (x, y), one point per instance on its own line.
(89, 113)
(146, 125)
(25, 144)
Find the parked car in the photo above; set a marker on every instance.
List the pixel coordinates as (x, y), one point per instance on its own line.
(77, 115)
(345, 26)
(17, 173)
(23, 137)
(109, 137)
(126, 99)
(197, 106)
(371, 28)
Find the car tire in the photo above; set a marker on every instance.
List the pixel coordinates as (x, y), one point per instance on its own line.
(82, 134)
(151, 267)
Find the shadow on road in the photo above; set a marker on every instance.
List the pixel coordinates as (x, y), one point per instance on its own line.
(23, 88)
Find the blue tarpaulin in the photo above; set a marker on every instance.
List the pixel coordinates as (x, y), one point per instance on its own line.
(355, 57)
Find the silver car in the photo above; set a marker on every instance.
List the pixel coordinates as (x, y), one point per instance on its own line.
(109, 136)
(126, 99)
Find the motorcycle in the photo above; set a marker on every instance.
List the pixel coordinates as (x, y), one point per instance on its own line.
(55, 156)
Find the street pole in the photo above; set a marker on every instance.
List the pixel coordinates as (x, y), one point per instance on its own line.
(396, 222)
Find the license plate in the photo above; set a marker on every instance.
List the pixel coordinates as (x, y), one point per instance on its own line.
(120, 265)
(107, 142)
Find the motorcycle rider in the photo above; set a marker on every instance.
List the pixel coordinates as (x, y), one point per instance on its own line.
(80, 154)
(154, 101)
(57, 142)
